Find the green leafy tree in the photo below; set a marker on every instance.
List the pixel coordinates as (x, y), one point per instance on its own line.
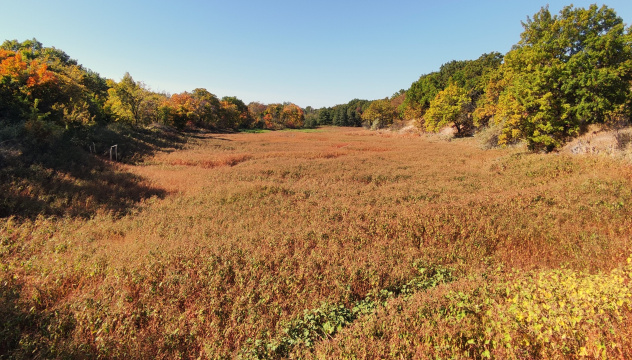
(206, 108)
(126, 100)
(472, 75)
(451, 106)
(311, 117)
(422, 91)
(340, 117)
(567, 71)
(379, 114)
(324, 116)
(355, 109)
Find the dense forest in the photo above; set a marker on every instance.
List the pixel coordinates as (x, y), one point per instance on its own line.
(567, 71)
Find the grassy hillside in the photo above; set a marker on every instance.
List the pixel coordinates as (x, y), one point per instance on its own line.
(334, 243)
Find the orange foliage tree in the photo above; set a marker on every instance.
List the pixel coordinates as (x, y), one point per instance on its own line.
(257, 112)
(229, 115)
(178, 110)
(292, 116)
(27, 92)
(279, 116)
(272, 117)
(22, 76)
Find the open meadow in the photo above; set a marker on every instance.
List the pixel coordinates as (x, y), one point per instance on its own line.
(328, 243)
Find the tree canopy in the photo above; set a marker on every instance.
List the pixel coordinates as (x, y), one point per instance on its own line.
(46, 94)
(567, 71)
(379, 114)
(450, 106)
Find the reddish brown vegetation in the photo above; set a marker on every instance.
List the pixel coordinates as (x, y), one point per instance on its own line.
(259, 228)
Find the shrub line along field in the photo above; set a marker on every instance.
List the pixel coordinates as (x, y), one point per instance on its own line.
(333, 243)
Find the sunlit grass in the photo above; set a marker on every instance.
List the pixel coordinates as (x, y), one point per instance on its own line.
(258, 232)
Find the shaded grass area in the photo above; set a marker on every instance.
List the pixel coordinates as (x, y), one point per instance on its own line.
(292, 252)
(70, 177)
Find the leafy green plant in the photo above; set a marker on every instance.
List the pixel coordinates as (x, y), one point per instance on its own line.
(329, 319)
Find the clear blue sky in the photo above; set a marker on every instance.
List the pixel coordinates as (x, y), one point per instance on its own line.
(317, 53)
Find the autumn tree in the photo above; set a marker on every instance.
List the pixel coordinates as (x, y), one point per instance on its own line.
(486, 106)
(567, 71)
(257, 112)
(27, 90)
(48, 94)
(20, 76)
(292, 116)
(379, 114)
(451, 106)
(272, 117)
(234, 113)
(126, 100)
(206, 108)
(43, 90)
(178, 110)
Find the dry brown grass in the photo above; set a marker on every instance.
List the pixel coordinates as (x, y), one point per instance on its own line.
(258, 228)
(603, 141)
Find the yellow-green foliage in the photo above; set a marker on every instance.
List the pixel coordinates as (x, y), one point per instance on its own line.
(379, 114)
(560, 76)
(536, 314)
(448, 108)
(562, 311)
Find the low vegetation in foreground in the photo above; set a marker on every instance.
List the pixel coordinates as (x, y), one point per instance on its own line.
(337, 243)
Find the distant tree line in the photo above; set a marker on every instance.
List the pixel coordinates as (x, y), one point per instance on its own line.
(567, 71)
(349, 114)
(46, 95)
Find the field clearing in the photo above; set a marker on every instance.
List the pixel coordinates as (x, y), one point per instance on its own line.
(334, 243)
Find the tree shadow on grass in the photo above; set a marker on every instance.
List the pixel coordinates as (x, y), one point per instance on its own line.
(133, 143)
(66, 179)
